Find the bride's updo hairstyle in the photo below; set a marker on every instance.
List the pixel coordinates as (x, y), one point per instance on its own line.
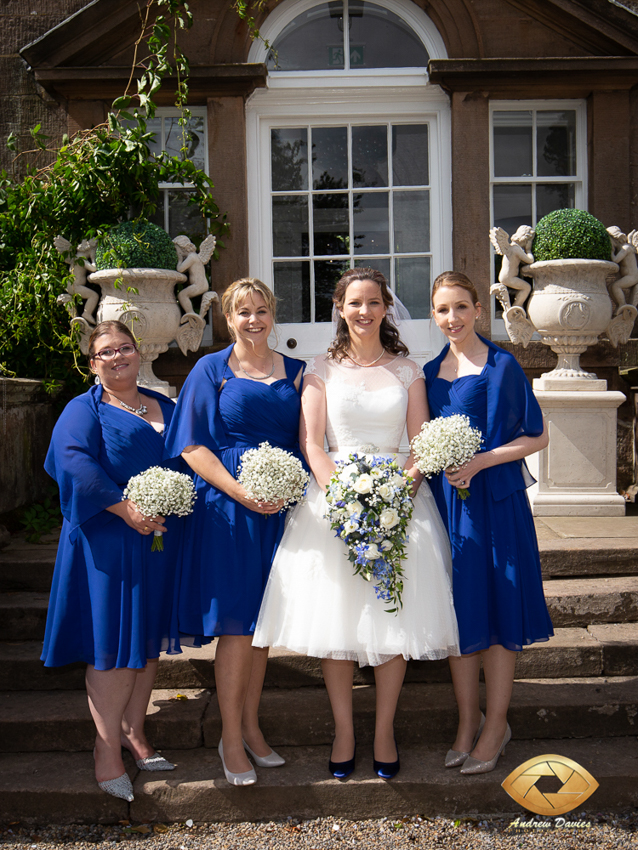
(455, 279)
(388, 333)
(239, 291)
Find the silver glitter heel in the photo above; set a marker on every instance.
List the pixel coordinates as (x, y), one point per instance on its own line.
(119, 787)
(154, 762)
(455, 758)
(473, 765)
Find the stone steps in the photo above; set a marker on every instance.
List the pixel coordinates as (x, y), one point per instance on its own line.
(543, 709)
(60, 787)
(599, 650)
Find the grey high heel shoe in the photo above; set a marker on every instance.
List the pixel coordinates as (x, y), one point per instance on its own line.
(455, 758)
(119, 787)
(273, 759)
(248, 777)
(154, 762)
(473, 765)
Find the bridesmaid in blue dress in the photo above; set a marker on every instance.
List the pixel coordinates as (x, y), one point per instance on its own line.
(231, 402)
(112, 601)
(497, 584)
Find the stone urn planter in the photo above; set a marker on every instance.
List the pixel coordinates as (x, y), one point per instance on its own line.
(143, 297)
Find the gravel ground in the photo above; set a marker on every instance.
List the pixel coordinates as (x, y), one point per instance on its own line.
(605, 831)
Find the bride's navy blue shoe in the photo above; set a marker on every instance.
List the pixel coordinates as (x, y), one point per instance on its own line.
(343, 769)
(387, 769)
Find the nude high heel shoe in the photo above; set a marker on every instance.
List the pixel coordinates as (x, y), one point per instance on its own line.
(473, 765)
(455, 758)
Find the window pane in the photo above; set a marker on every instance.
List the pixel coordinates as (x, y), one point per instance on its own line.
(330, 158)
(381, 264)
(410, 155)
(555, 196)
(327, 273)
(290, 226)
(412, 282)
(371, 223)
(174, 138)
(184, 219)
(369, 156)
(556, 143)
(380, 39)
(292, 291)
(289, 159)
(412, 221)
(512, 144)
(313, 41)
(512, 207)
(330, 224)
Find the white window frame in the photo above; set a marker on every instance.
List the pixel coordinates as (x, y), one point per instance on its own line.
(579, 180)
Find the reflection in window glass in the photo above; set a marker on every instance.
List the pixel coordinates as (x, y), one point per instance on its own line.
(312, 42)
(512, 206)
(413, 285)
(410, 155)
(331, 224)
(290, 226)
(327, 273)
(411, 222)
(292, 291)
(556, 143)
(330, 158)
(370, 156)
(371, 223)
(289, 159)
(513, 144)
(554, 196)
(380, 264)
(380, 39)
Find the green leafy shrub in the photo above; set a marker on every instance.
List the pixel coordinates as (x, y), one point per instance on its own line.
(41, 518)
(136, 244)
(571, 235)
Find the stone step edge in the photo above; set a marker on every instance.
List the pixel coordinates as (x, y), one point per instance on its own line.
(63, 789)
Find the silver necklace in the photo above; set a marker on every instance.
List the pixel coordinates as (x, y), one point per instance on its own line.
(367, 365)
(140, 411)
(254, 377)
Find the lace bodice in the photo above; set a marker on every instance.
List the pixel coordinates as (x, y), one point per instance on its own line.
(365, 406)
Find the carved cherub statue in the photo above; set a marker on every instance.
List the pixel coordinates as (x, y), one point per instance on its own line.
(81, 264)
(624, 253)
(192, 263)
(515, 253)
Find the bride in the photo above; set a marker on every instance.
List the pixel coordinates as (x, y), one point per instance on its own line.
(360, 396)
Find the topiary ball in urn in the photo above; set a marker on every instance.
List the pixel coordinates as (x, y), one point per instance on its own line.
(571, 235)
(136, 245)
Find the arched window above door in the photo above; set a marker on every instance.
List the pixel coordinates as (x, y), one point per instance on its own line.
(347, 36)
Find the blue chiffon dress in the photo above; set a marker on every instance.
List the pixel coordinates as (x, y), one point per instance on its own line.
(112, 600)
(497, 583)
(228, 549)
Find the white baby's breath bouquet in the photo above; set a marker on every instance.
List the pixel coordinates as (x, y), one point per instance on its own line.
(270, 474)
(369, 507)
(160, 492)
(447, 441)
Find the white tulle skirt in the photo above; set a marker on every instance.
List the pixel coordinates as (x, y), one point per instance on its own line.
(315, 605)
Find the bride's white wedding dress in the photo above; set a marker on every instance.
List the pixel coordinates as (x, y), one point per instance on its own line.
(314, 604)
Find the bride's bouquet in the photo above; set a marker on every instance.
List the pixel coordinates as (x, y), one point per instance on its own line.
(269, 474)
(160, 492)
(447, 441)
(369, 508)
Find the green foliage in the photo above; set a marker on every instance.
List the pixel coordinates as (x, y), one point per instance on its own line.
(79, 189)
(571, 235)
(136, 244)
(41, 518)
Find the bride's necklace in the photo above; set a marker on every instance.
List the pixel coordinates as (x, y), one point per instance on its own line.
(258, 377)
(142, 410)
(366, 365)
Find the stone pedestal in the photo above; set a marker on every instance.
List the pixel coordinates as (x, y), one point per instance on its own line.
(576, 473)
